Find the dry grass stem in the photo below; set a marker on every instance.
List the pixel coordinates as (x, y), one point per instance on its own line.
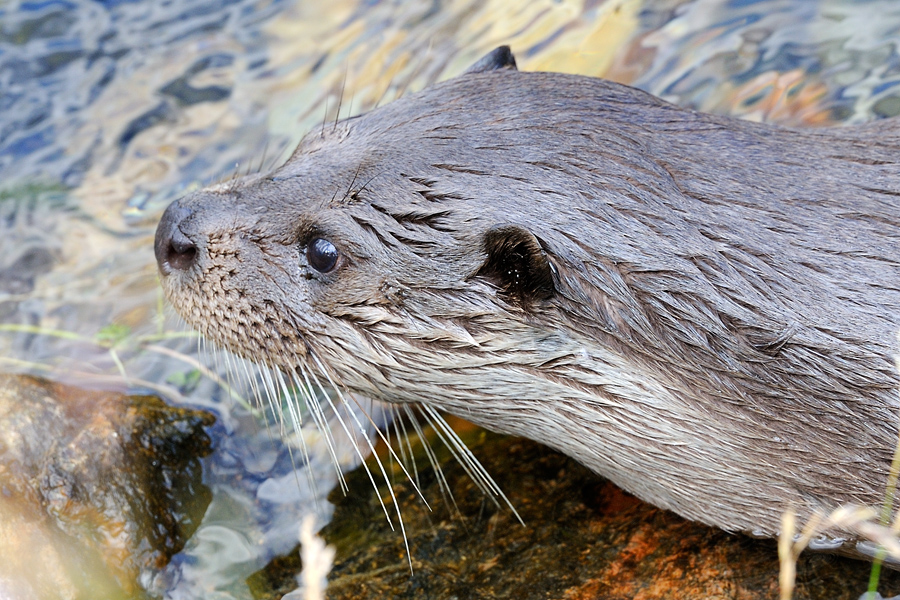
(846, 518)
(317, 560)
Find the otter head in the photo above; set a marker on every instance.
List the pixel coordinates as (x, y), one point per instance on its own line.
(368, 258)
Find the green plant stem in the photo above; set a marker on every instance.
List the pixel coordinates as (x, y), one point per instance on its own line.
(60, 333)
(885, 518)
(115, 358)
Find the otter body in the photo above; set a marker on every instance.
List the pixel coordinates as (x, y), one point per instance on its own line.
(701, 309)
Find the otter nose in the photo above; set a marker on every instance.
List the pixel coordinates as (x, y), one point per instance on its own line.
(174, 250)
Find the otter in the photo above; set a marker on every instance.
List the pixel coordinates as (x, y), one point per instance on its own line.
(701, 309)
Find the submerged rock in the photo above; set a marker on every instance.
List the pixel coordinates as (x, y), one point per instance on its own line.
(97, 489)
(583, 539)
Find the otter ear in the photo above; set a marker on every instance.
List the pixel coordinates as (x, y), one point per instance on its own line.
(517, 264)
(498, 58)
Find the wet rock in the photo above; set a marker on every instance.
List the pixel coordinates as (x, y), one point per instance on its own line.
(97, 489)
(583, 539)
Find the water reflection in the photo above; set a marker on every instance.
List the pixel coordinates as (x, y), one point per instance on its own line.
(60, 57)
(799, 63)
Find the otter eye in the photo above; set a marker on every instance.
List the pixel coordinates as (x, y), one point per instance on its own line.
(322, 255)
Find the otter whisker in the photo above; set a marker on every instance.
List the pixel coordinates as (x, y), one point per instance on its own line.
(391, 453)
(443, 486)
(231, 372)
(324, 118)
(214, 351)
(407, 453)
(337, 115)
(262, 159)
(230, 375)
(277, 158)
(235, 180)
(352, 181)
(254, 376)
(387, 88)
(271, 395)
(460, 458)
(208, 352)
(324, 371)
(403, 437)
(294, 409)
(385, 440)
(203, 348)
(470, 458)
(365, 185)
(252, 384)
(267, 394)
(219, 363)
(296, 413)
(390, 415)
(268, 376)
(362, 458)
(320, 420)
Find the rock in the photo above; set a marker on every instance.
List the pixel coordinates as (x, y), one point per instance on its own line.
(583, 539)
(97, 489)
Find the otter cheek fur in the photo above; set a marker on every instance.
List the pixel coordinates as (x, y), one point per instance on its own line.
(701, 309)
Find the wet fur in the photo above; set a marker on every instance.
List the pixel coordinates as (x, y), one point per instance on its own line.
(704, 310)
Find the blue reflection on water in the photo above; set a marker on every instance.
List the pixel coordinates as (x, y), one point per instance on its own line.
(58, 56)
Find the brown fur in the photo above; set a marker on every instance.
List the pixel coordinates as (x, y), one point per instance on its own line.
(703, 310)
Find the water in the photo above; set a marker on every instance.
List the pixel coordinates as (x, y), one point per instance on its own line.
(110, 110)
(798, 63)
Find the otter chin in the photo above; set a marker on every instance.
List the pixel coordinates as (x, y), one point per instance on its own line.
(701, 309)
